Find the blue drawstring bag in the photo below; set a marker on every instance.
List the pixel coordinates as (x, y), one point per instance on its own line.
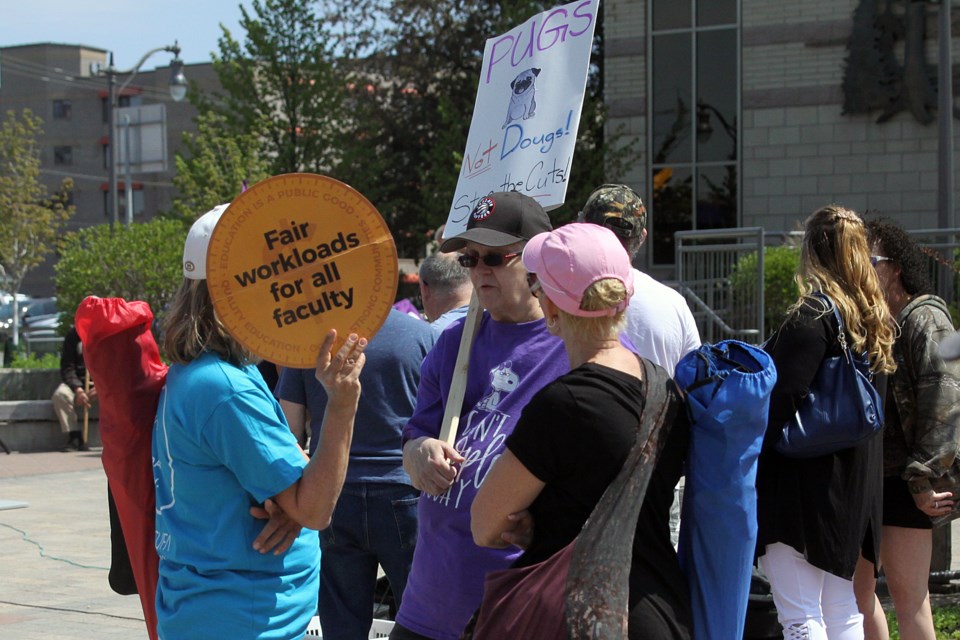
(728, 388)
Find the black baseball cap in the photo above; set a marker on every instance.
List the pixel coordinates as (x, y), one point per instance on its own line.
(500, 219)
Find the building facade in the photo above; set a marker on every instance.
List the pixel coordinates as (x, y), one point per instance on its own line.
(59, 83)
(757, 112)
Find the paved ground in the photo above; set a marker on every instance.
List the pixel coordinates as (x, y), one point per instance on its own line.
(55, 553)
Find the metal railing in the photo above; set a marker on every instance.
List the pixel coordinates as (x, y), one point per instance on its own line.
(943, 245)
(46, 344)
(720, 274)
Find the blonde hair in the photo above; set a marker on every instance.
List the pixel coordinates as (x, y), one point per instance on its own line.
(602, 294)
(191, 327)
(835, 260)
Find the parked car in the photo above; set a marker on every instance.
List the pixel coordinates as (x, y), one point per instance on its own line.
(7, 297)
(39, 330)
(6, 314)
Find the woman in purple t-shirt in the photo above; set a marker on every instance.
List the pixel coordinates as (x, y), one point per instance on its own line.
(513, 356)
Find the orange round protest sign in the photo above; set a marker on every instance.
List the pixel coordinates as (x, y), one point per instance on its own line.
(297, 255)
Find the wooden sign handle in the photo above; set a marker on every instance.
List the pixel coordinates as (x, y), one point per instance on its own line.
(86, 409)
(458, 387)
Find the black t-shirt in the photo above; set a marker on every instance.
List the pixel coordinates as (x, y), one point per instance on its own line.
(575, 435)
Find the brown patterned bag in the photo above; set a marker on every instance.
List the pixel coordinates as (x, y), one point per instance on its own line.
(582, 591)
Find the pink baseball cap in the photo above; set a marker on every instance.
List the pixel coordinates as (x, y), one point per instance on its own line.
(570, 259)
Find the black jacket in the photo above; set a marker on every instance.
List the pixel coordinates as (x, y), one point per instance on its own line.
(828, 508)
(72, 369)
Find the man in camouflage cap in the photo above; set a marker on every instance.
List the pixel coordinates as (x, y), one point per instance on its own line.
(620, 209)
(659, 323)
(658, 320)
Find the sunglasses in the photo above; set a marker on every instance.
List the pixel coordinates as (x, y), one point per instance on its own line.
(469, 261)
(534, 283)
(875, 260)
(621, 228)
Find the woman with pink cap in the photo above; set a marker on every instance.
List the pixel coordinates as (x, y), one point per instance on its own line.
(575, 434)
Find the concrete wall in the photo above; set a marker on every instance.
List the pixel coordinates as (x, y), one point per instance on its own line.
(28, 384)
(30, 425)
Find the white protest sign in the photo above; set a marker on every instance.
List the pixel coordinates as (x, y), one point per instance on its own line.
(527, 112)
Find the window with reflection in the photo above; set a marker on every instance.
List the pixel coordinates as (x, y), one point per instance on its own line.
(122, 202)
(62, 155)
(62, 109)
(694, 100)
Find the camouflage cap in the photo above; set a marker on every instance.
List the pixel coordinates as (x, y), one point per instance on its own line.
(617, 200)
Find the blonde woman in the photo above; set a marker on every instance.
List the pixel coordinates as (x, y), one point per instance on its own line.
(221, 449)
(816, 515)
(575, 434)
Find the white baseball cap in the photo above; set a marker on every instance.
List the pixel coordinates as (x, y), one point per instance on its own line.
(195, 248)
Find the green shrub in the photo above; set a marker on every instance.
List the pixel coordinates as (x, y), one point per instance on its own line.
(780, 289)
(946, 623)
(137, 262)
(46, 361)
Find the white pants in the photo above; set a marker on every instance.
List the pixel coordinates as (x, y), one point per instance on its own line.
(811, 603)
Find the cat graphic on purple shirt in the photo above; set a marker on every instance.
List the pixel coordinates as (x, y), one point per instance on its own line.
(509, 363)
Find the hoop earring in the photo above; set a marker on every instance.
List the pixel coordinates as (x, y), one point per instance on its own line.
(552, 322)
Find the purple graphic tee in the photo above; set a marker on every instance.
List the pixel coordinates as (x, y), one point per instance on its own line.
(509, 363)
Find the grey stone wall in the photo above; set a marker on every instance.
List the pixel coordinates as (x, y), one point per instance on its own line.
(798, 150)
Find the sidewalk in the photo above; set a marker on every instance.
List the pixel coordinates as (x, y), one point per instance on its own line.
(62, 594)
(55, 553)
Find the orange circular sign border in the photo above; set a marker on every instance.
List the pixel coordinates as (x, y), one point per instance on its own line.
(289, 255)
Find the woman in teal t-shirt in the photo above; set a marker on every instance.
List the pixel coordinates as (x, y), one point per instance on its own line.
(221, 449)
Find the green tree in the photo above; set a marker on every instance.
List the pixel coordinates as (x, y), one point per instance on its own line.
(281, 84)
(379, 94)
(141, 261)
(412, 99)
(30, 218)
(215, 166)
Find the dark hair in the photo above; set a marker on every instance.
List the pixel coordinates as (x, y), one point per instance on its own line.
(897, 245)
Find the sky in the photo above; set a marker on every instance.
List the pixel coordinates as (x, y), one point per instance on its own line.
(129, 28)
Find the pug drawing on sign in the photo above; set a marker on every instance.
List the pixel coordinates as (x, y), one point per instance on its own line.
(522, 92)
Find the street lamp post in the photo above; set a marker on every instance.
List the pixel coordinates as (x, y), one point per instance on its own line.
(705, 129)
(178, 91)
(945, 121)
(945, 182)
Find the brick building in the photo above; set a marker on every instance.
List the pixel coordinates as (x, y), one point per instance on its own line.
(756, 112)
(58, 83)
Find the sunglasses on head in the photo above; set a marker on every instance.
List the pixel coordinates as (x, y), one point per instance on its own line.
(620, 227)
(469, 261)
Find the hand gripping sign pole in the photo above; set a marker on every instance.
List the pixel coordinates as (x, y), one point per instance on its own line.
(522, 135)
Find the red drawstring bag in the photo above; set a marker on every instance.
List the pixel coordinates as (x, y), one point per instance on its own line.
(124, 361)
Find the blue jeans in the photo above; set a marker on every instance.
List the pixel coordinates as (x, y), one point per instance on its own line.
(372, 524)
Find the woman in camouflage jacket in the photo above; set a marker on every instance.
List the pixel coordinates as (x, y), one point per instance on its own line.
(921, 436)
